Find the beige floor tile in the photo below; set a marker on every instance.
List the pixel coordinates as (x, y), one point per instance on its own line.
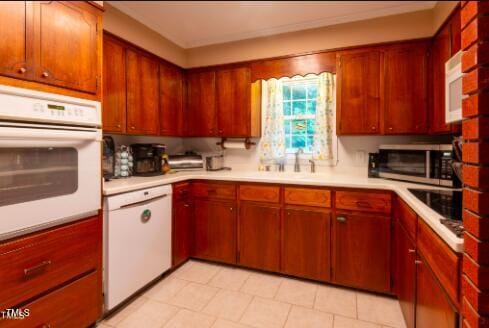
(230, 278)
(263, 285)
(297, 292)
(166, 289)
(379, 309)
(200, 272)
(121, 314)
(300, 317)
(344, 322)
(336, 300)
(265, 313)
(221, 323)
(150, 314)
(228, 304)
(194, 296)
(190, 319)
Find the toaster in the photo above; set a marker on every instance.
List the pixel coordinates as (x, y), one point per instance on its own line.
(215, 163)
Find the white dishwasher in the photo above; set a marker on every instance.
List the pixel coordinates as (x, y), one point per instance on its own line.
(137, 241)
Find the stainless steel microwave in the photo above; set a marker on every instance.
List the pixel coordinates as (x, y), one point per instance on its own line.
(422, 163)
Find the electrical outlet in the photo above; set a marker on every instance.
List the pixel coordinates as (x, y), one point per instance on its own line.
(360, 157)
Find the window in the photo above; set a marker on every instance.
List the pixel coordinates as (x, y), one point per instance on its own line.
(299, 106)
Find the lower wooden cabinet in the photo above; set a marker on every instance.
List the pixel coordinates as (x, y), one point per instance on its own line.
(405, 274)
(182, 232)
(214, 230)
(433, 309)
(306, 243)
(361, 250)
(259, 236)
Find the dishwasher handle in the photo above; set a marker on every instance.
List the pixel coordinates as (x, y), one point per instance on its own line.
(144, 202)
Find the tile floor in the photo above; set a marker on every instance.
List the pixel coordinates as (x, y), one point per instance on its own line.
(203, 295)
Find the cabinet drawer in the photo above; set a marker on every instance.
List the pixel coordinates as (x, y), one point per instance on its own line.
(444, 263)
(406, 216)
(78, 304)
(369, 201)
(214, 190)
(259, 193)
(307, 197)
(181, 191)
(37, 263)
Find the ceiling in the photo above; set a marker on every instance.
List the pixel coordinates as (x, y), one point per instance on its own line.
(192, 24)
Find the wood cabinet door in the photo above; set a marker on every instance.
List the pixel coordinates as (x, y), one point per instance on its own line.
(405, 89)
(405, 274)
(16, 36)
(259, 236)
(215, 230)
(171, 100)
(201, 102)
(233, 89)
(181, 232)
(66, 45)
(440, 53)
(306, 243)
(142, 93)
(358, 92)
(433, 308)
(361, 250)
(114, 99)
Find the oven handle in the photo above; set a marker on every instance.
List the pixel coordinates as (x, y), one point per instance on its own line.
(49, 134)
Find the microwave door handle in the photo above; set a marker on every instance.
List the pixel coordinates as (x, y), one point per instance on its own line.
(49, 134)
(428, 164)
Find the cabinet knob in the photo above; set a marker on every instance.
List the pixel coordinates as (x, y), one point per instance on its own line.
(186, 205)
(118, 125)
(22, 70)
(418, 262)
(391, 128)
(133, 127)
(411, 251)
(231, 209)
(45, 74)
(341, 219)
(373, 128)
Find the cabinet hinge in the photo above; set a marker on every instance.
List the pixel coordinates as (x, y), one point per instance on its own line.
(96, 82)
(238, 256)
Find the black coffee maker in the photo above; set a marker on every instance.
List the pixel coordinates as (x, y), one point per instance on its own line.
(147, 159)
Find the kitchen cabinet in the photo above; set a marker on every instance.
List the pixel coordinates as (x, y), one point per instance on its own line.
(236, 115)
(214, 230)
(114, 100)
(405, 274)
(182, 224)
(361, 250)
(201, 111)
(433, 308)
(172, 96)
(259, 236)
(52, 43)
(15, 51)
(142, 76)
(306, 243)
(358, 92)
(405, 89)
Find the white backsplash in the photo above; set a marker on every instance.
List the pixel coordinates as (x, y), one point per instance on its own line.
(352, 150)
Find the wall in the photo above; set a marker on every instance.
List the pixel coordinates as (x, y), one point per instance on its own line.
(441, 11)
(133, 31)
(376, 30)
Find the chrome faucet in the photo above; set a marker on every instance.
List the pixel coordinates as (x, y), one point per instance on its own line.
(313, 166)
(297, 167)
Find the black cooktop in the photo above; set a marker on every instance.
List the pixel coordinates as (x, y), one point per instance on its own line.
(447, 203)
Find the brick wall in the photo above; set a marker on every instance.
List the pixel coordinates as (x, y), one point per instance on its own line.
(475, 65)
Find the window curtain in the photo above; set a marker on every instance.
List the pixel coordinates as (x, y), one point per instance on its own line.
(272, 145)
(322, 148)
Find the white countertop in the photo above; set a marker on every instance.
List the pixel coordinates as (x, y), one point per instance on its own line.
(431, 217)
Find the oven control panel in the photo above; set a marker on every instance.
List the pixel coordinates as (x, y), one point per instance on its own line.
(33, 106)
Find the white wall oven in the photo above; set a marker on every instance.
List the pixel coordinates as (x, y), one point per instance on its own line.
(453, 89)
(50, 160)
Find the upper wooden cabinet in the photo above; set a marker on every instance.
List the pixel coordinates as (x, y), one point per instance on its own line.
(142, 93)
(201, 111)
(53, 43)
(114, 99)
(358, 92)
(172, 95)
(405, 89)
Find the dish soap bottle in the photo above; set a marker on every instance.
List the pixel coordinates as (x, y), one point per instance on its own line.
(165, 167)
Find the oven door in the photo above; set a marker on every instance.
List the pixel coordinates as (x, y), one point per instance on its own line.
(48, 175)
(409, 165)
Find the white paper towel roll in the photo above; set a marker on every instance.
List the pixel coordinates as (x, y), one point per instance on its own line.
(234, 144)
